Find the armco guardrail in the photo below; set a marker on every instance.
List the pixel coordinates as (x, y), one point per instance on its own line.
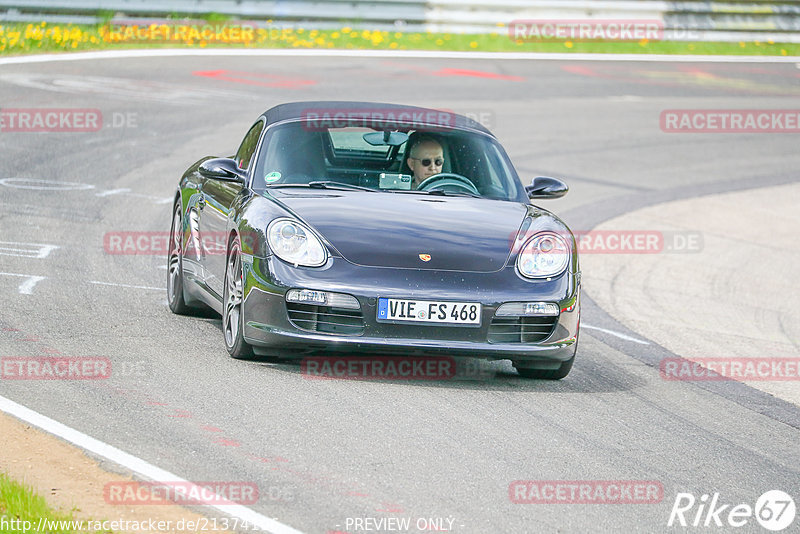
(733, 20)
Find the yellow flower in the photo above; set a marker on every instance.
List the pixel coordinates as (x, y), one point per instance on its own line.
(568, 44)
(643, 42)
(783, 52)
(741, 44)
(473, 44)
(353, 34)
(300, 31)
(335, 35)
(392, 45)
(398, 35)
(347, 29)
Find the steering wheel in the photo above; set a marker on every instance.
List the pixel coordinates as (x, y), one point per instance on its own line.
(443, 179)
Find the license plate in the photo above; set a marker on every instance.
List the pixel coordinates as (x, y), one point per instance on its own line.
(429, 311)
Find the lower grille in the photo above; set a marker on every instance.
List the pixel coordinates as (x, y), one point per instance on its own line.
(325, 319)
(521, 329)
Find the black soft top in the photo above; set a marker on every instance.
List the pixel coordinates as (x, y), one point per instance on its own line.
(388, 112)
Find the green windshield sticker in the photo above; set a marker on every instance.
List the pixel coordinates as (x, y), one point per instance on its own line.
(272, 177)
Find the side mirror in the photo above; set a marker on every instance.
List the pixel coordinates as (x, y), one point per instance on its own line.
(224, 169)
(546, 187)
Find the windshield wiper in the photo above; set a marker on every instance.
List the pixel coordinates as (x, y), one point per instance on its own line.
(452, 193)
(329, 184)
(323, 184)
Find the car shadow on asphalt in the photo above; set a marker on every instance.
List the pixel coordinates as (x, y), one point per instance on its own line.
(588, 375)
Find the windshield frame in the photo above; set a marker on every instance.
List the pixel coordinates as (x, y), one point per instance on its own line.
(517, 195)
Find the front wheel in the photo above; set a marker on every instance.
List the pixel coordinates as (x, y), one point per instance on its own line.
(232, 298)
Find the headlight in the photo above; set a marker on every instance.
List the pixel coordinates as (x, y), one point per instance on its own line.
(295, 243)
(545, 254)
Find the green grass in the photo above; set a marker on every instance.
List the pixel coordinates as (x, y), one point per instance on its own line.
(17, 39)
(20, 503)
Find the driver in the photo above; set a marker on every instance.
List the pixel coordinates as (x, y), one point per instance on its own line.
(425, 159)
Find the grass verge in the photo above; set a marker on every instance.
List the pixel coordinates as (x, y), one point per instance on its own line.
(21, 510)
(18, 39)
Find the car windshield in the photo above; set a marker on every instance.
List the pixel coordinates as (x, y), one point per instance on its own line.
(356, 158)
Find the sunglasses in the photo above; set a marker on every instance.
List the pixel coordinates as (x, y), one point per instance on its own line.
(427, 161)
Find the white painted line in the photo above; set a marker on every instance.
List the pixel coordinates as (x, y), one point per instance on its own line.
(125, 285)
(26, 287)
(112, 192)
(29, 250)
(136, 465)
(157, 200)
(617, 334)
(43, 185)
(422, 54)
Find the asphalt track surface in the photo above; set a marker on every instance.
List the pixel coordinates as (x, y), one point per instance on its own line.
(323, 451)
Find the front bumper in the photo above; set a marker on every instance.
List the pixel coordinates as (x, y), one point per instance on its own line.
(269, 329)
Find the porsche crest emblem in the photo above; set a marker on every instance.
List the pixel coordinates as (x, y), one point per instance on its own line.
(425, 257)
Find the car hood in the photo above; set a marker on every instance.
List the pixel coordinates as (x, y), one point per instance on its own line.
(395, 229)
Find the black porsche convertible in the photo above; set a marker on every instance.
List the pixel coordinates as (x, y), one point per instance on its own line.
(321, 236)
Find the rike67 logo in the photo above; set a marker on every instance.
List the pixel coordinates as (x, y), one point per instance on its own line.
(775, 510)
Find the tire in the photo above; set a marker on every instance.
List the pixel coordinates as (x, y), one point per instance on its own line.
(547, 374)
(175, 267)
(232, 301)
